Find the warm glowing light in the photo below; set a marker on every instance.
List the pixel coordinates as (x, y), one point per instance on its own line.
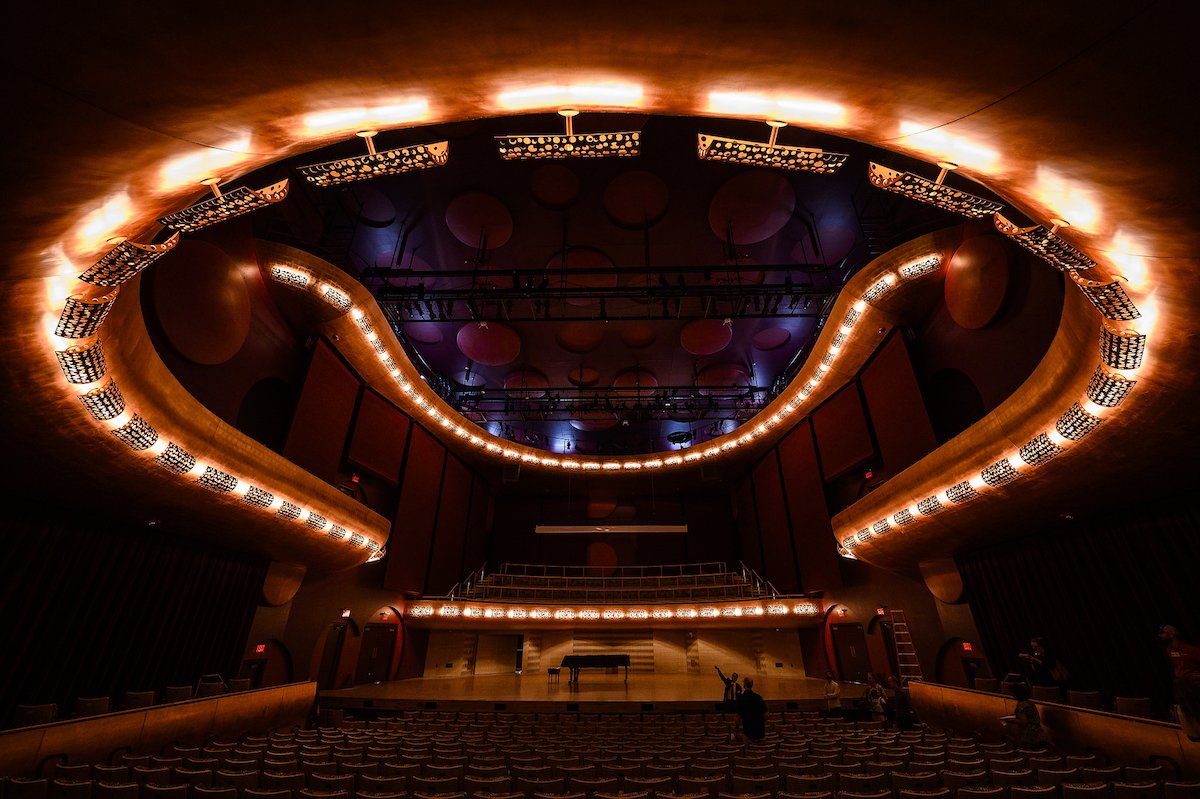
(511, 453)
(1067, 198)
(518, 613)
(686, 613)
(539, 613)
(662, 613)
(421, 610)
(564, 613)
(570, 464)
(609, 466)
(788, 109)
(674, 460)
(450, 611)
(354, 119)
(208, 162)
(948, 146)
(197, 471)
(98, 225)
(638, 614)
(241, 488)
(631, 465)
(550, 461)
(613, 613)
(777, 610)
(1056, 438)
(1144, 325)
(530, 458)
(692, 456)
(1093, 408)
(1123, 250)
(473, 613)
(493, 613)
(976, 482)
(589, 614)
(653, 463)
(557, 96)
(709, 613)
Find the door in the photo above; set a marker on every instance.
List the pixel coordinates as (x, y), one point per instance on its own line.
(375, 656)
(850, 647)
(331, 655)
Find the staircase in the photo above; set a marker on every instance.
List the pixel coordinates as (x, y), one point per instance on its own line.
(906, 653)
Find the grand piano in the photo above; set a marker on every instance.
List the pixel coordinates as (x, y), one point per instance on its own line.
(573, 663)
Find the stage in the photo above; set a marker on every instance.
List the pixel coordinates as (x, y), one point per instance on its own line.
(597, 692)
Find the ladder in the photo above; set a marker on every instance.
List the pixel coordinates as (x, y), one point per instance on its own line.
(906, 653)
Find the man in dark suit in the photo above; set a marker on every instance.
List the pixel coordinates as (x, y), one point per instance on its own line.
(753, 710)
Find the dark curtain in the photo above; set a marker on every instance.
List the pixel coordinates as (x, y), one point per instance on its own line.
(94, 607)
(1098, 591)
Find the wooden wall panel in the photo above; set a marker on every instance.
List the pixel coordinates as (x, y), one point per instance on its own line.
(843, 438)
(475, 548)
(816, 550)
(380, 433)
(445, 563)
(747, 524)
(317, 437)
(779, 562)
(416, 514)
(897, 408)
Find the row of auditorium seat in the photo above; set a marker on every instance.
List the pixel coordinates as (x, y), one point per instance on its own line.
(1135, 706)
(85, 706)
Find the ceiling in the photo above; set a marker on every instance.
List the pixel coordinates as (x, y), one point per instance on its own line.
(1061, 113)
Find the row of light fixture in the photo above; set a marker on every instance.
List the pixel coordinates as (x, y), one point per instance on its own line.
(426, 610)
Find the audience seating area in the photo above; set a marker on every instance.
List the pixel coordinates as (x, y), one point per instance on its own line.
(678, 583)
(448, 755)
(211, 685)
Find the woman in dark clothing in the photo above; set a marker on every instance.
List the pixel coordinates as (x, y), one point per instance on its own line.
(1026, 718)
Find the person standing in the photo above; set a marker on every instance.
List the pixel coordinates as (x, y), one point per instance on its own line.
(1185, 661)
(1025, 718)
(1044, 668)
(833, 695)
(876, 699)
(732, 689)
(753, 710)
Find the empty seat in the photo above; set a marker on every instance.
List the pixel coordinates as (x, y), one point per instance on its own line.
(285, 781)
(953, 780)
(1144, 773)
(1057, 776)
(927, 781)
(310, 793)
(1007, 779)
(26, 788)
(863, 783)
(1045, 693)
(1086, 790)
(430, 785)
(1102, 774)
(266, 793)
(79, 771)
(110, 774)
(1137, 790)
(150, 775)
(192, 776)
(207, 688)
(933, 793)
(156, 791)
(116, 790)
(247, 778)
(28, 715)
(812, 783)
(238, 684)
(1087, 699)
(132, 700)
(69, 789)
(177, 693)
(1176, 789)
(532, 785)
(1033, 792)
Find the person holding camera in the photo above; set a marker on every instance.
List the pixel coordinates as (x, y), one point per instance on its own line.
(1044, 668)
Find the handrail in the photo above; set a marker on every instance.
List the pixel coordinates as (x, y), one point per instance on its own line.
(679, 569)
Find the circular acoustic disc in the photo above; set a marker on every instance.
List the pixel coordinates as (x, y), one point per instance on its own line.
(582, 258)
(838, 236)
(722, 375)
(580, 336)
(602, 557)
(637, 335)
(601, 506)
(636, 378)
(771, 339)
(202, 303)
(469, 214)
(584, 377)
(424, 332)
(757, 204)
(977, 281)
(489, 343)
(369, 205)
(636, 199)
(525, 383)
(554, 186)
(743, 275)
(470, 378)
(705, 336)
(595, 421)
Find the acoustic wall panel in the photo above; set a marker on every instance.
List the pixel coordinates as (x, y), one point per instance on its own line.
(416, 514)
(475, 550)
(380, 433)
(445, 563)
(842, 435)
(779, 563)
(812, 534)
(747, 524)
(320, 425)
(897, 408)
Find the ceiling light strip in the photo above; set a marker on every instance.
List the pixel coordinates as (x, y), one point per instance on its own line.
(933, 192)
(224, 205)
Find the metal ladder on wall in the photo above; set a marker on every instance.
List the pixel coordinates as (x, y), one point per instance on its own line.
(906, 653)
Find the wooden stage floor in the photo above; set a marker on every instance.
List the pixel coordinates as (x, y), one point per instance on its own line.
(596, 693)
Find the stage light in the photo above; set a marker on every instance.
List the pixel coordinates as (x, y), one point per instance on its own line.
(570, 144)
(222, 206)
(770, 154)
(933, 192)
(1046, 244)
(125, 260)
(376, 163)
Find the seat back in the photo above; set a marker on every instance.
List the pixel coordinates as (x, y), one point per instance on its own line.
(92, 706)
(1087, 699)
(177, 693)
(29, 715)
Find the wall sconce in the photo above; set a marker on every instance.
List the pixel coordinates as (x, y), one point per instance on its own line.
(934, 192)
(1039, 450)
(83, 363)
(1045, 244)
(999, 473)
(216, 480)
(771, 155)
(126, 260)
(376, 164)
(1108, 390)
(82, 317)
(1076, 423)
(570, 144)
(1122, 349)
(1110, 299)
(137, 433)
(177, 459)
(222, 206)
(105, 402)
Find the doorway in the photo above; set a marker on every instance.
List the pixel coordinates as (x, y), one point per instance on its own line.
(331, 655)
(375, 655)
(850, 648)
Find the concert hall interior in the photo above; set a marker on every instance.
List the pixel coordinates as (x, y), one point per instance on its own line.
(366, 361)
